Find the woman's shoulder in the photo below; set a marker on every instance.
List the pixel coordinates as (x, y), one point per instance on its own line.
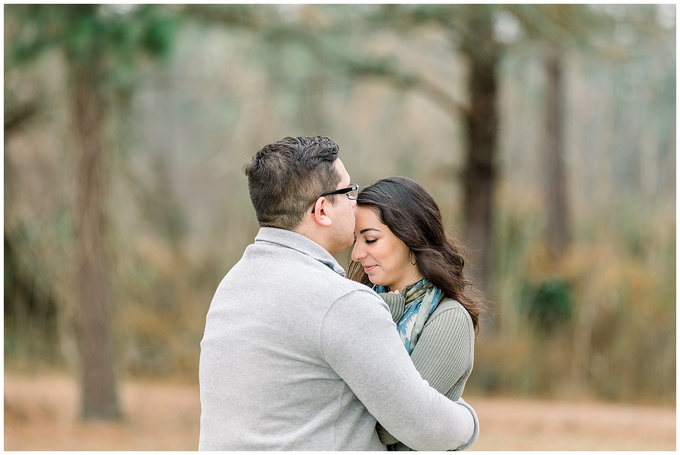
(449, 305)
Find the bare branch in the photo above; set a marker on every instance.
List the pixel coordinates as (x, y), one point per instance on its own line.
(404, 81)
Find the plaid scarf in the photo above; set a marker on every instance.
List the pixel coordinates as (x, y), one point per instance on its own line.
(422, 299)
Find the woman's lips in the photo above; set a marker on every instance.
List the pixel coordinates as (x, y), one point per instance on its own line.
(368, 268)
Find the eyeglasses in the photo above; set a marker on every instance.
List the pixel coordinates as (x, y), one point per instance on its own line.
(351, 191)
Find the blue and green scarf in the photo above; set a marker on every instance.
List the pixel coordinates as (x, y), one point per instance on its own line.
(422, 299)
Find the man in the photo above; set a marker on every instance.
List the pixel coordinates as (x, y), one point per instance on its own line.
(297, 357)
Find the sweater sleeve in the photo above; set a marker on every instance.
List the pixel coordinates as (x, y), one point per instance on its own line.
(359, 341)
(396, 304)
(444, 354)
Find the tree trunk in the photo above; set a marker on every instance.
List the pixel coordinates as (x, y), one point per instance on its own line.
(480, 168)
(557, 229)
(95, 341)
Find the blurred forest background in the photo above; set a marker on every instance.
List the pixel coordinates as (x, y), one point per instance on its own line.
(546, 133)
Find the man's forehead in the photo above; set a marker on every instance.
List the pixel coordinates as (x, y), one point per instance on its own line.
(344, 175)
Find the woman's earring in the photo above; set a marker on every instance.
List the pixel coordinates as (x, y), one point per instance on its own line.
(411, 259)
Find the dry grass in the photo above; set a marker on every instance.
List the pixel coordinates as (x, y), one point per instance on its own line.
(41, 414)
(516, 424)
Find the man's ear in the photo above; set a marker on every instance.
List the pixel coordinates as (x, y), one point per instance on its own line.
(321, 212)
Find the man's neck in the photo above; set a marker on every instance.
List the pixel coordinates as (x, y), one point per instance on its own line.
(313, 233)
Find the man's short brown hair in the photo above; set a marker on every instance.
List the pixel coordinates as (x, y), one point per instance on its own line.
(285, 178)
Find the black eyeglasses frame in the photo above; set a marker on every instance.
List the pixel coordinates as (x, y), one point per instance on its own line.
(352, 188)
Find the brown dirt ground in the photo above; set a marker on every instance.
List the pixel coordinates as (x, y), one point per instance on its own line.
(41, 414)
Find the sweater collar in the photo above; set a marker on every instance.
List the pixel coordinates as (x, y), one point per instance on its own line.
(298, 242)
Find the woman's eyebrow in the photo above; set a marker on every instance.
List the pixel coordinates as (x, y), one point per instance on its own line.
(363, 231)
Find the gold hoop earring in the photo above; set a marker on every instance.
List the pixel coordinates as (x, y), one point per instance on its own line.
(410, 258)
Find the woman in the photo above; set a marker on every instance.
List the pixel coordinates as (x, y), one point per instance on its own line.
(403, 252)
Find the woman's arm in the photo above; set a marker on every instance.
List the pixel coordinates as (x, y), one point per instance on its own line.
(444, 354)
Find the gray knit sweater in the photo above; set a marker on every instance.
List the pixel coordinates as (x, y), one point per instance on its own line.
(444, 353)
(297, 357)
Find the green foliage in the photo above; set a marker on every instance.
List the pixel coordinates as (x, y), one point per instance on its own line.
(158, 35)
(112, 35)
(547, 304)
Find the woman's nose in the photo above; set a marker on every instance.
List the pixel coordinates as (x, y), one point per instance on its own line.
(357, 252)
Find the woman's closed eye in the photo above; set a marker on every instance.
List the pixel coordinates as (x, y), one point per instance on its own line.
(369, 241)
